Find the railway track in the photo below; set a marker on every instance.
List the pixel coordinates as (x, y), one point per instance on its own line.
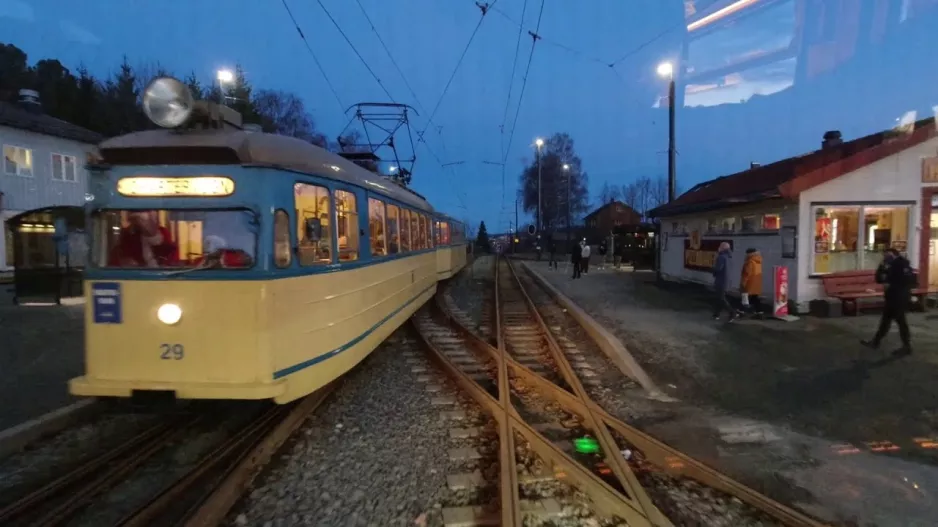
(544, 452)
(202, 493)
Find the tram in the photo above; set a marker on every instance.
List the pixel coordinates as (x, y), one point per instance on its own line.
(232, 264)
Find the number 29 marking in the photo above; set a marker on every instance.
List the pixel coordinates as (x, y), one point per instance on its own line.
(172, 351)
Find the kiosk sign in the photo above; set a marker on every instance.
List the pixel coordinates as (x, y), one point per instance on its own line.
(780, 305)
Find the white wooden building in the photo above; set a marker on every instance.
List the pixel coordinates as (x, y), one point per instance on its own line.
(832, 210)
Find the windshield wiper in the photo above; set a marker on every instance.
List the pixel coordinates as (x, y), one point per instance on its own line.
(211, 261)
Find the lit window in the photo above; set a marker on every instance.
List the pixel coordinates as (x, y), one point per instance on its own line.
(64, 168)
(347, 224)
(17, 161)
(394, 236)
(771, 222)
(836, 234)
(445, 237)
(376, 227)
(314, 224)
(282, 253)
(728, 225)
(415, 231)
(405, 230)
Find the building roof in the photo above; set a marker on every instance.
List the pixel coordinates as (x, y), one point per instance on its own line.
(249, 148)
(606, 205)
(790, 177)
(14, 116)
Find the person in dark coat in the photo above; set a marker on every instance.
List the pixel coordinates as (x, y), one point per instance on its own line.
(552, 253)
(602, 254)
(721, 274)
(898, 279)
(576, 258)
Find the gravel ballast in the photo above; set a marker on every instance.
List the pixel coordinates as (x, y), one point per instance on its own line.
(375, 454)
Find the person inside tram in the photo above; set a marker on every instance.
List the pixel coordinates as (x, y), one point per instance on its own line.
(144, 243)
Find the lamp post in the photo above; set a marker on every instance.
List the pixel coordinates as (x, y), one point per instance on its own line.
(566, 170)
(539, 143)
(224, 76)
(666, 70)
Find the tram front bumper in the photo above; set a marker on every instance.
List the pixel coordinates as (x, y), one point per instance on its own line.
(91, 387)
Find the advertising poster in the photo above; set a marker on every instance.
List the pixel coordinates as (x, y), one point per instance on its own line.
(780, 301)
(699, 255)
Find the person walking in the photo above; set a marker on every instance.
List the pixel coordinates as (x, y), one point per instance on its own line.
(576, 255)
(721, 271)
(898, 279)
(750, 283)
(602, 254)
(552, 253)
(585, 257)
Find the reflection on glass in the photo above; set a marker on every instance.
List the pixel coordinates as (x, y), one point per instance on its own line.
(740, 87)
(175, 239)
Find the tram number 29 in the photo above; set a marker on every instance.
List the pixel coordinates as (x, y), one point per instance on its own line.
(172, 351)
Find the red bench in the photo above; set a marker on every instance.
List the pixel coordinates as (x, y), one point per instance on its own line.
(852, 286)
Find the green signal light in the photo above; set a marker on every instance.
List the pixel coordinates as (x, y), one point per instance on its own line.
(586, 445)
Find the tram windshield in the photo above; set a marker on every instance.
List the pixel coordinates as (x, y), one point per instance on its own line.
(175, 239)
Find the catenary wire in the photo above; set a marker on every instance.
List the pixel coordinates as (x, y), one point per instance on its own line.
(349, 41)
(315, 58)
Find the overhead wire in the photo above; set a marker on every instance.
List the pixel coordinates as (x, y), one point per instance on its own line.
(315, 58)
(484, 8)
(511, 83)
(349, 41)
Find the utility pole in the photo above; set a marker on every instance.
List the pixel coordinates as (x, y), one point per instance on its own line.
(517, 228)
(539, 222)
(672, 168)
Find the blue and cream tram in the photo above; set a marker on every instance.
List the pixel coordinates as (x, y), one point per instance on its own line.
(230, 264)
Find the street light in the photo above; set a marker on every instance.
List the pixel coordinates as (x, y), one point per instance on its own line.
(666, 70)
(539, 143)
(566, 169)
(224, 76)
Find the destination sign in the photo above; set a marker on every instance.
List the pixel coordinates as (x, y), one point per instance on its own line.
(176, 186)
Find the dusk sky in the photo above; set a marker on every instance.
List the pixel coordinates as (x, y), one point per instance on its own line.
(619, 131)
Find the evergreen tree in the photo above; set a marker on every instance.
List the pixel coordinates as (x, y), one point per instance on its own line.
(238, 97)
(482, 240)
(195, 86)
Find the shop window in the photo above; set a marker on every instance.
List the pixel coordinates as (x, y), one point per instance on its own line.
(712, 226)
(771, 222)
(314, 224)
(394, 235)
(749, 224)
(883, 228)
(283, 255)
(405, 230)
(836, 234)
(728, 225)
(346, 210)
(376, 227)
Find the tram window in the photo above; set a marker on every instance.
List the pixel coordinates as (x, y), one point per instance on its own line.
(282, 253)
(415, 231)
(425, 231)
(376, 227)
(405, 230)
(314, 210)
(394, 235)
(431, 240)
(436, 232)
(191, 238)
(347, 224)
(444, 233)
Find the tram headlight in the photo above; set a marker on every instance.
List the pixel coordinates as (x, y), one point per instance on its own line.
(167, 102)
(169, 314)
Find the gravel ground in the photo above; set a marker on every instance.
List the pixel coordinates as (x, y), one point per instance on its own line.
(471, 291)
(42, 348)
(51, 457)
(776, 405)
(373, 455)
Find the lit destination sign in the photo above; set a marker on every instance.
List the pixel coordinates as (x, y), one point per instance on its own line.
(176, 186)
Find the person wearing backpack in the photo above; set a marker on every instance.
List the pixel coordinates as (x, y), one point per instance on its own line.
(898, 279)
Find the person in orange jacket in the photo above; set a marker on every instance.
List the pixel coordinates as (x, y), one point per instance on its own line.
(750, 283)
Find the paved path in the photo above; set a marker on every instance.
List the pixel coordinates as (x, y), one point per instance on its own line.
(797, 409)
(41, 348)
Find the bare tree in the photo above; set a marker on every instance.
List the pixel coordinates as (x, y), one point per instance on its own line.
(659, 192)
(643, 191)
(284, 113)
(630, 196)
(609, 193)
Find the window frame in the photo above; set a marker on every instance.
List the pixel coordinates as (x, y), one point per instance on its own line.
(404, 227)
(332, 228)
(861, 229)
(384, 227)
(397, 227)
(17, 173)
(64, 179)
(356, 225)
(290, 243)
